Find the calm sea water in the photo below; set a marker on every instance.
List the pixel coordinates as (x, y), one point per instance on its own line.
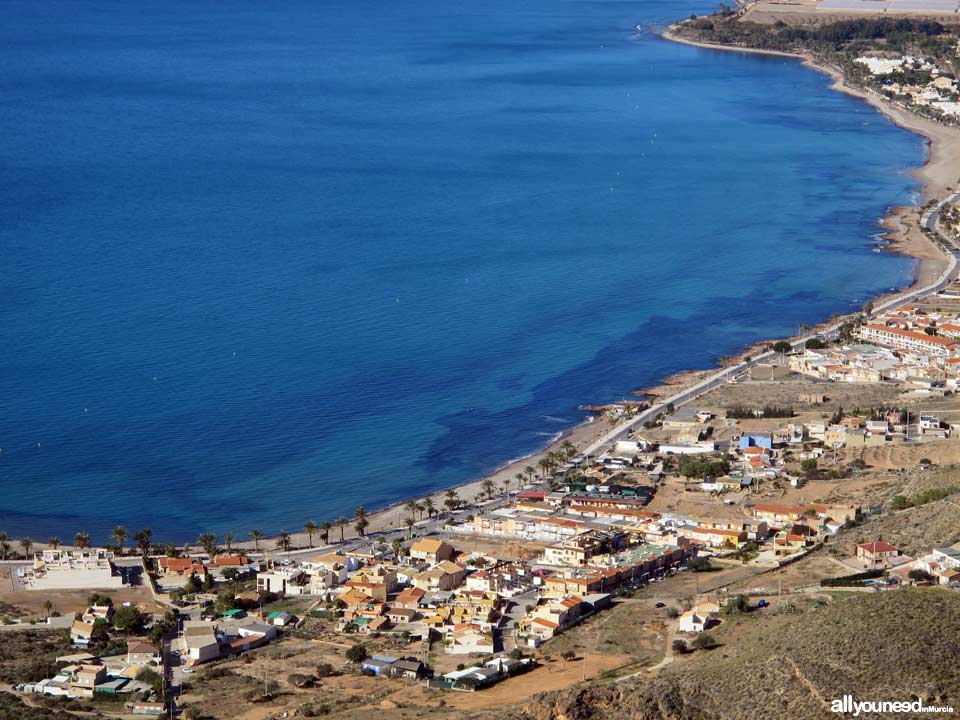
(265, 262)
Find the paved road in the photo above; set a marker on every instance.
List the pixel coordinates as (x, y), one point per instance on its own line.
(929, 221)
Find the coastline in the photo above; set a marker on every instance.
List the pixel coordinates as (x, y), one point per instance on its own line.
(901, 235)
(901, 224)
(943, 142)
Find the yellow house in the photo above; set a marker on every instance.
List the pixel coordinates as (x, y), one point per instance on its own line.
(431, 550)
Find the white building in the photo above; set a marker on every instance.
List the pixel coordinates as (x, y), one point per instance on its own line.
(908, 340)
(200, 641)
(284, 580)
(80, 569)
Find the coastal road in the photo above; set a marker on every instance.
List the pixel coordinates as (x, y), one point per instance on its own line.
(929, 221)
(423, 528)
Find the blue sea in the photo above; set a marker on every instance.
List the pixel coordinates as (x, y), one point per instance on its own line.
(266, 262)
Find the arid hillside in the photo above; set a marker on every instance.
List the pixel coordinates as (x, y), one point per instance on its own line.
(887, 646)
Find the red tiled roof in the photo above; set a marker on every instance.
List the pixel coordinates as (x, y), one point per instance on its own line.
(933, 339)
(878, 546)
(180, 564)
(546, 623)
(229, 561)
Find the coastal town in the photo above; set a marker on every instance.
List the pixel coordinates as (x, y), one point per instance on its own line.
(763, 475)
(776, 527)
(676, 521)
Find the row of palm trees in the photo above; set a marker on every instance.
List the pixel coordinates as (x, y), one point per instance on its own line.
(118, 538)
(143, 539)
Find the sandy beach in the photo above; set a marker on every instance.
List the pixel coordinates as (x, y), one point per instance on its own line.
(393, 517)
(938, 174)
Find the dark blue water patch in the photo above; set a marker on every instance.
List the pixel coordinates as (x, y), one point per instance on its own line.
(693, 343)
(265, 263)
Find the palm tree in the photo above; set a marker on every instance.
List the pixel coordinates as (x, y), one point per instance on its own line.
(544, 465)
(283, 540)
(409, 522)
(341, 523)
(54, 542)
(4, 545)
(397, 547)
(489, 489)
(530, 471)
(411, 506)
(26, 543)
(310, 528)
(362, 523)
(521, 478)
(47, 607)
(568, 449)
(256, 536)
(143, 538)
(120, 536)
(208, 541)
(82, 539)
(325, 528)
(453, 500)
(420, 507)
(228, 540)
(428, 506)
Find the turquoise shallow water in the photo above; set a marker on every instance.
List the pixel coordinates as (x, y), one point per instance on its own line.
(267, 262)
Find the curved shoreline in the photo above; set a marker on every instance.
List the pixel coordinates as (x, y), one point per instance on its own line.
(943, 152)
(938, 136)
(928, 272)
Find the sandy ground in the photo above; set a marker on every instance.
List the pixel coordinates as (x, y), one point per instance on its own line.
(554, 675)
(65, 601)
(368, 694)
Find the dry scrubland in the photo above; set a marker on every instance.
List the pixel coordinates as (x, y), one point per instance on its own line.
(914, 530)
(31, 655)
(894, 645)
(14, 708)
(787, 391)
(625, 638)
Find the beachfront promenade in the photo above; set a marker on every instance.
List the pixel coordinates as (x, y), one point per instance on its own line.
(929, 221)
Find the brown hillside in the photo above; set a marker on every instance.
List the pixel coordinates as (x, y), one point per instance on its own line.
(885, 646)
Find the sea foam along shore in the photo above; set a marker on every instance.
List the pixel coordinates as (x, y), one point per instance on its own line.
(938, 175)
